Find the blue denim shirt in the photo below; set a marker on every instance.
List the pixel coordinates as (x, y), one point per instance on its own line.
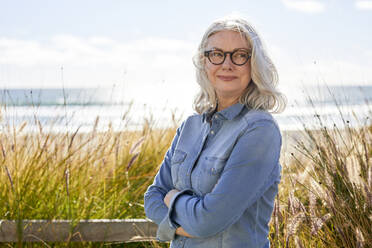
(226, 167)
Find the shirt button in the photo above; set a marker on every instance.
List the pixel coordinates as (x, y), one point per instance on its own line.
(212, 132)
(215, 117)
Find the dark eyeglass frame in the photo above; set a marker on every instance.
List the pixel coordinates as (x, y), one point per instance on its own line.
(206, 54)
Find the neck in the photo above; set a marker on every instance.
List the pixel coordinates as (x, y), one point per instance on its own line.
(225, 103)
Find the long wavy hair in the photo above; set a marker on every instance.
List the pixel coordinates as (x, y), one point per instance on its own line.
(261, 92)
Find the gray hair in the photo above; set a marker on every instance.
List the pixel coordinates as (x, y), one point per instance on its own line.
(261, 92)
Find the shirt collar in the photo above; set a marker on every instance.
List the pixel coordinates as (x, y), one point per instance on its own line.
(227, 113)
(232, 111)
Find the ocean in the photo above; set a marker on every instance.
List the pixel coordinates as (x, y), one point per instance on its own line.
(82, 109)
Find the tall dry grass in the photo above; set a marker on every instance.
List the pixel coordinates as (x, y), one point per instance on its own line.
(94, 175)
(325, 197)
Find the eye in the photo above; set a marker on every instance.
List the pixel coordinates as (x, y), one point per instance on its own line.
(216, 54)
(241, 55)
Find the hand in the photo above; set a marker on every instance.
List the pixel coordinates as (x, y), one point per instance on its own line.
(169, 196)
(182, 232)
(167, 199)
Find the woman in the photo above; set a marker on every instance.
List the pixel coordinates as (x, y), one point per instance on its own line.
(218, 181)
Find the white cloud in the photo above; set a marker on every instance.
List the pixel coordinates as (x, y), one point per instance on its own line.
(95, 51)
(297, 68)
(152, 69)
(324, 71)
(363, 4)
(308, 6)
(95, 61)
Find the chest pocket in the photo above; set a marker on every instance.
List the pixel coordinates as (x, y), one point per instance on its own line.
(210, 172)
(176, 161)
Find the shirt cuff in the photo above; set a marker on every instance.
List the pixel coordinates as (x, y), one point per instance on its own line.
(166, 231)
(167, 227)
(173, 202)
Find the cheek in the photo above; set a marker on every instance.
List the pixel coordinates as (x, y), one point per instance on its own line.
(210, 70)
(246, 72)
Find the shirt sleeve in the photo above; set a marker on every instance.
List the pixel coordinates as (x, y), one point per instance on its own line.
(248, 172)
(155, 208)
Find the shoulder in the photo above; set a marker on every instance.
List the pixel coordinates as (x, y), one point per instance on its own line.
(253, 115)
(260, 119)
(193, 119)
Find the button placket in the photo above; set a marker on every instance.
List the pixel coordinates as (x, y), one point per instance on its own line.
(216, 124)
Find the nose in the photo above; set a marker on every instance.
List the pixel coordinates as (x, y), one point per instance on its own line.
(227, 64)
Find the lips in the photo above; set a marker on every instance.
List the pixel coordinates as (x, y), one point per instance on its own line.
(227, 78)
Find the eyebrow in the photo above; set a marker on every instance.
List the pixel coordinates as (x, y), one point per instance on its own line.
(243, 48)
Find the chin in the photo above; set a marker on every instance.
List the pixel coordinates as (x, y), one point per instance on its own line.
(229, 92)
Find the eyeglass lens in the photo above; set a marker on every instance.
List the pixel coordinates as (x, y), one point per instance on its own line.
(238, 57)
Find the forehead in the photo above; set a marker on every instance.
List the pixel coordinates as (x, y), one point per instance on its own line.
(227, 40)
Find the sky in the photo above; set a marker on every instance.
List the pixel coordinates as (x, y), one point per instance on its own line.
(146, 47)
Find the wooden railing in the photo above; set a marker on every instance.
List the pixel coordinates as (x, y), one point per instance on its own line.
(100, 230)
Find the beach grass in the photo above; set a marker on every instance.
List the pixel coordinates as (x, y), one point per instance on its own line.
(325, 197)
(324, 200)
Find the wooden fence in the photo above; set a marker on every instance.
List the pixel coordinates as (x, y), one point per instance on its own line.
(101, 230)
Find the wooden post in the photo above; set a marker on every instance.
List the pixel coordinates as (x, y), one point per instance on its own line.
(99, 230)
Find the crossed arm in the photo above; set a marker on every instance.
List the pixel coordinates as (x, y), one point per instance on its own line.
(167, 199)
(249, 167)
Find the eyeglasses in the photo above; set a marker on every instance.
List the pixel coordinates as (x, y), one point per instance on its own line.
(238, 57)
